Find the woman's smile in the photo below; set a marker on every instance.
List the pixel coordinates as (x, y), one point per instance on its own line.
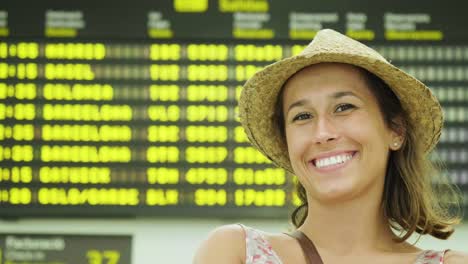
(333, 162)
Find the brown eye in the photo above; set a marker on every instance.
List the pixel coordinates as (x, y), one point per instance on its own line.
(302, 116)
(344, 107)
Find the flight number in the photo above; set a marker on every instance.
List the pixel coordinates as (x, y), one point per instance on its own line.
(249, 155)
(267, 198)
(165, 52)
(240, 135)
(208, 113)
(207, 72)
(244, 72)
(206, 154)
(162, 175)
(162, 154)
(206, 175)
(206, 133)
(258, 53)
(268, 176)
(164, 72)
(163, 133)
(210, 197)
(164, 92)
(210, 93)
(207, 52)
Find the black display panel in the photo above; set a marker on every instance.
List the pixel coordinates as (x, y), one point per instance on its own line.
(131, 110)
(64, 249)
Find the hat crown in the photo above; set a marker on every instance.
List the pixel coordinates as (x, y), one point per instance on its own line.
(329, 41)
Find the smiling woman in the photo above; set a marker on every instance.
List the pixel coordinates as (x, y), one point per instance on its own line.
(357, 132)
(383, 124)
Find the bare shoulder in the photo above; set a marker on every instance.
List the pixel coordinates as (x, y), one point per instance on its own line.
(456, 257)
(225, 244)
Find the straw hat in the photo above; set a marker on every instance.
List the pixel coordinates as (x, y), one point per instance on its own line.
(260, 92)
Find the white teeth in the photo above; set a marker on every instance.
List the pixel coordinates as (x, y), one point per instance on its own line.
(332, 160)
(339, 159)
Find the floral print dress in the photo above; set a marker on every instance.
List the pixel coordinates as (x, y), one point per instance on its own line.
(259, 251)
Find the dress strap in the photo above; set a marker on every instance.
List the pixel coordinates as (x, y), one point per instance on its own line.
(308, 247)
(431, 257)
(443, 255)
(258, 249)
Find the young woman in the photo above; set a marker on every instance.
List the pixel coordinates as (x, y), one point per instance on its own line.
(356, 131)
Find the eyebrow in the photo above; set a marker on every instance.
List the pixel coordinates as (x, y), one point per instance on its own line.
(336, 95)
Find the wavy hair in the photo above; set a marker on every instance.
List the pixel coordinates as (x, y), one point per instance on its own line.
(418, 196)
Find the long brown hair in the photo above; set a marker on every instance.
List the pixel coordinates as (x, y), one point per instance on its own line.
(417, 197)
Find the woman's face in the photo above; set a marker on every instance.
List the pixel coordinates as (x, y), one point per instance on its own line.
(337, 140)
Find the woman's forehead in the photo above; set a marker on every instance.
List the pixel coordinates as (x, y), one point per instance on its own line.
(327, 78)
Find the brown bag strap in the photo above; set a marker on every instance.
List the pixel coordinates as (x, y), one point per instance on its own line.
(308, 247)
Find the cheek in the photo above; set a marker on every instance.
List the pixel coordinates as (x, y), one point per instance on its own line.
(371, 132)
(297, 141)
(361, 133)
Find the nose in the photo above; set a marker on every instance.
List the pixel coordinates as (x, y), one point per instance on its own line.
(325, 131)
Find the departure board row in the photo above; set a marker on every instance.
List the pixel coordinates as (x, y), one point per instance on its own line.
(144, 122)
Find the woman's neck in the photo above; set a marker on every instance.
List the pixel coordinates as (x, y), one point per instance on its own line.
(349, 228)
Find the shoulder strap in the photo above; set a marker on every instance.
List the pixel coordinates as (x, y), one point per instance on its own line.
(444, 253)
(308, 247)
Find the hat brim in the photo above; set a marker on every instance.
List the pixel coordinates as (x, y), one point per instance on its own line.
(259, 95)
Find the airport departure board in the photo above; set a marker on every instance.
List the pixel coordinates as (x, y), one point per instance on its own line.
(118, 108)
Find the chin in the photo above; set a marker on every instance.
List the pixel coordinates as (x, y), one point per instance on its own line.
(334, 199)
(334, 196)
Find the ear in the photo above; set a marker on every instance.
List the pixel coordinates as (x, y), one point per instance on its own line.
(398, 133)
